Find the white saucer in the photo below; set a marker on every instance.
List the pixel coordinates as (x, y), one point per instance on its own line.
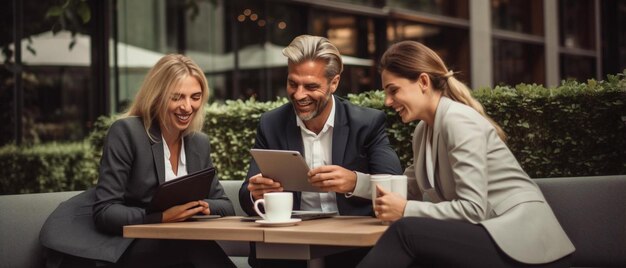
(288, 222)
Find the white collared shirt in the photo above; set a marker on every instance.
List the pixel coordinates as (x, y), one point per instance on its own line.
(182, 161)
(318, 152)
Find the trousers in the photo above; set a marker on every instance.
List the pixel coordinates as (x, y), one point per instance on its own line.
(425, 242)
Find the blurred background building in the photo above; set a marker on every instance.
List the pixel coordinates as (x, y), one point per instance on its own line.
(79, 59)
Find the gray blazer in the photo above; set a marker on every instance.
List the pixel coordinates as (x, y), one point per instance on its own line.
(132, 166)
(478, 180)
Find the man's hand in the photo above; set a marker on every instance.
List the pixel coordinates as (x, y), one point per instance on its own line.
(389, 206)
(184, 211)
(333, 179)
(259, 185)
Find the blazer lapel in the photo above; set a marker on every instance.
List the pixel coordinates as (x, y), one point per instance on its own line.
(192, 155)
(340, 133)
(443, 184)
(157, 151)
(294, 138)
(419, 141)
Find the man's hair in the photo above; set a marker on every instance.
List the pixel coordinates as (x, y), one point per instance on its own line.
(311, 48)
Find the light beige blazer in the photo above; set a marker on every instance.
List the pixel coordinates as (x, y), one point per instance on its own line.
(478, 180)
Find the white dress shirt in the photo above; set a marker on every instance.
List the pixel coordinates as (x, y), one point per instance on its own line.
(318, 152)
(182, 161)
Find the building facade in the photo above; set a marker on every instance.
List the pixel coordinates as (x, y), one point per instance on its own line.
(82, 59)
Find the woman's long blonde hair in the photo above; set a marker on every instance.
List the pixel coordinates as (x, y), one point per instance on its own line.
(409, 59)
(158, 86)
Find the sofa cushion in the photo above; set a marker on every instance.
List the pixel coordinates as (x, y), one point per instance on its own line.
(21, 219)
(232, 191)
(592, 211)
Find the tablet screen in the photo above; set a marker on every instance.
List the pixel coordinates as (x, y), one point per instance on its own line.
(286, 167)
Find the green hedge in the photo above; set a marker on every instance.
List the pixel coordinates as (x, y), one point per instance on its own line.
(577, 129)
(49, 167)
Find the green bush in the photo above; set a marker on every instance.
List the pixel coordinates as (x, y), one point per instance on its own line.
(232, 128)
(49, 167)
(577, 129)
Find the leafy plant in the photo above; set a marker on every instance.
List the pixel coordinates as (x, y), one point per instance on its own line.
(576, 129)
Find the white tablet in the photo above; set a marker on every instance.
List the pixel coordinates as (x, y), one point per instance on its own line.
(286, 167)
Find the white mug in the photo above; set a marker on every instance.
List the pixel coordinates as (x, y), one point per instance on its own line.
(384, 180)
(278, 206)
(399, 185)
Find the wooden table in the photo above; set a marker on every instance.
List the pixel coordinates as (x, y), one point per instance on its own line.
(308, 240)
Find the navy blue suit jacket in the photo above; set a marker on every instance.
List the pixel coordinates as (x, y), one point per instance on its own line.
(360, 143)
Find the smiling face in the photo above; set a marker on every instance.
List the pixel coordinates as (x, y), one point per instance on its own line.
(309, 91)
(184, 102)
(407, 97)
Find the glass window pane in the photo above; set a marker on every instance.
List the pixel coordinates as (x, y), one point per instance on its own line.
(56, 76)
(524, 16)
(354, 37)
(142, 39)
(7, 114)
(260, 32)
(452, 44)
(341, 29)
(451, 8)
(577, 24)
(579, 68)
(622, 36)
(373, 3)
(515, 63)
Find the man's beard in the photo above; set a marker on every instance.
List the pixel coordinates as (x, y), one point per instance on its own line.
(314, 113)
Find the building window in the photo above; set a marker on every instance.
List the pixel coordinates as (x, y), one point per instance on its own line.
(577, 24)
(577, 39)
(450, 43)
(56, 82)
(449, 8)
(516, 62)
(579, 68)
(522, 16)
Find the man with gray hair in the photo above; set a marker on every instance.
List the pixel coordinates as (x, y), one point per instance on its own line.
(342, 143)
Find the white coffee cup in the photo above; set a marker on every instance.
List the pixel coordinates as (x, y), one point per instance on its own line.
(384, 180)
(278, 206)
(399, 185)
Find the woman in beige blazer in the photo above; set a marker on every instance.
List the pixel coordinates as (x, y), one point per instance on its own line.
(479, 208)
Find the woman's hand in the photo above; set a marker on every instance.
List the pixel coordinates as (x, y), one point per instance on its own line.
(389, 206)
(185, 211)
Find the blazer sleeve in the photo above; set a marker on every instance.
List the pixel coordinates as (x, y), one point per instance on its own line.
(413, 190)
(110, 210)
(466, 143)
(383, 158)
(245, 199)
(219, 204)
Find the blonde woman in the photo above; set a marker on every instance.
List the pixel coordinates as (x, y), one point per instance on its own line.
(479, 208)
(158, 139)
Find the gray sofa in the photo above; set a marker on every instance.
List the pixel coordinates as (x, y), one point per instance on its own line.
(592, 211)
(21, 218)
